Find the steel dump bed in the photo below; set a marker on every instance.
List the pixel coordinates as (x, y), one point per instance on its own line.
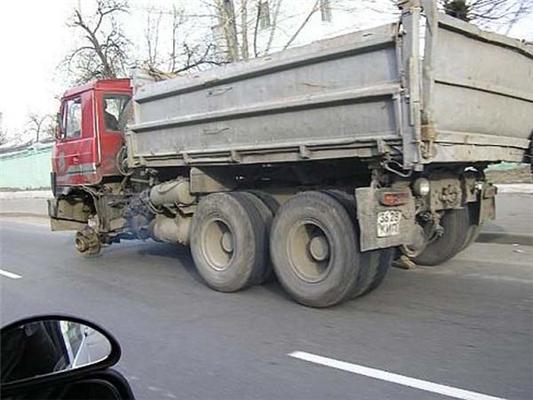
(468, 97)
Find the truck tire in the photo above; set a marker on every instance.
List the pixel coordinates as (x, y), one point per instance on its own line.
(474, 229)
(228, 241)
(267, 199)
(375, 263)
(456, 224)
(386, 258)
(472, 235)
(267, 216)
(313, 246)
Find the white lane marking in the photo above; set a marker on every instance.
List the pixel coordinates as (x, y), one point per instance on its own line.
(391, 377)
(9, 274)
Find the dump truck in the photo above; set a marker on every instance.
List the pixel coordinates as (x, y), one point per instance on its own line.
(317, 165)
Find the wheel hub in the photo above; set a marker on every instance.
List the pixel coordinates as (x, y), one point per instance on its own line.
(87, 241)
(81, 244)
(319, 248)
(309, 251)
(218, 244)
(227, 242)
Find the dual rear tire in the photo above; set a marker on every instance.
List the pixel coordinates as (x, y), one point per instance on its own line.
(458, 233)
(229, 240)
(313, 246)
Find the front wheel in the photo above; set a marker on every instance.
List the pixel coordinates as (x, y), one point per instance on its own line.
(87, 242)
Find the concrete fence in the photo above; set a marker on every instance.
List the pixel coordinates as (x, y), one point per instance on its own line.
(26, 169)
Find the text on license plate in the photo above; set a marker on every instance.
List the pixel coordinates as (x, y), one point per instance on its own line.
(388, 223)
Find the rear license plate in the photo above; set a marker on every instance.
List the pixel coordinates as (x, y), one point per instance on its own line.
(388, 223)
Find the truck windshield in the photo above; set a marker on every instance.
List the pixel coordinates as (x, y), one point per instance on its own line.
(115, 111)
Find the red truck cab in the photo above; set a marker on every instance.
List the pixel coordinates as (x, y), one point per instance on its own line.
(92, 118)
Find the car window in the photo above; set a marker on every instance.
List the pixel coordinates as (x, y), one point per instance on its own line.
(114, 111)
(72, 121)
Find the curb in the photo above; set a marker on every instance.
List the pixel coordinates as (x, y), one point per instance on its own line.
(505, 238)
(29, 194)
(23, 214)
(514, 188)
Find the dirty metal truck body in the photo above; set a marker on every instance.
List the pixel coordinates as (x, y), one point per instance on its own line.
(319, 165)
(467, 98)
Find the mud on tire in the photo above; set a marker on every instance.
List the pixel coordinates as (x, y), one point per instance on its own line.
(456, 224)
(314, 250)
(374, 263)
(228, 241)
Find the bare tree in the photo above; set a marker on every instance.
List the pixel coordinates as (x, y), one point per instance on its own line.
(103, 53)
(228, 23)
(40, 125)
(314, 9)
(245, 51)
(177, 20)
(488, 12)
(3, 137)
(151, 35)
(3, 132)
(240, 22)
(169, 51)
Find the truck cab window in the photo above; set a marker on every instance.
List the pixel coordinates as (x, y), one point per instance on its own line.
(73, 119)
(115, 112)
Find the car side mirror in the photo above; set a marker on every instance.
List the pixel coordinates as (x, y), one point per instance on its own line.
(49, 348)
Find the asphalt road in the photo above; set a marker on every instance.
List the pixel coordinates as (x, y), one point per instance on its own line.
(467, 324)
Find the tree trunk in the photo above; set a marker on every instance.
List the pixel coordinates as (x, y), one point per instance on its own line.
(227, 19)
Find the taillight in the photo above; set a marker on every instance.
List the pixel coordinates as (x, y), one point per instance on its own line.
(394, 198)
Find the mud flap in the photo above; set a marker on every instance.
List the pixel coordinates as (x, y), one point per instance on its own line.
(382, 225)
(487, 203)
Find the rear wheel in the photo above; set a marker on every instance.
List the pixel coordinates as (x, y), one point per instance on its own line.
(314, 249)
(228, 241)
(267, 199)
(375, 263)
(260, 201)
(474, 229)
(455, 224)
(472, 235)
(385, 260)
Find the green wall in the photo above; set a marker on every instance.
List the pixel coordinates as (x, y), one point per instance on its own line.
(27, 169)
(30, 169)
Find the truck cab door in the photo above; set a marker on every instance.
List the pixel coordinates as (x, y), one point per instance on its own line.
(76, 151)
(113, 109)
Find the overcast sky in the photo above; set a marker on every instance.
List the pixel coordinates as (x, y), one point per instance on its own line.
(33, 37)
(33, 41)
